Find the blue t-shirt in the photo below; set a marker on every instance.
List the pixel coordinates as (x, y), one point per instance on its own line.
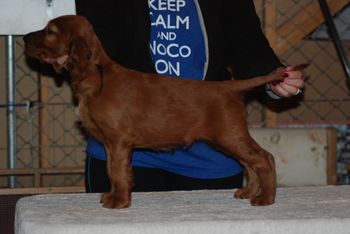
(178, 46)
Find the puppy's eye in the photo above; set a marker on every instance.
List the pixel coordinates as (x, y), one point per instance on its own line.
(50, 32)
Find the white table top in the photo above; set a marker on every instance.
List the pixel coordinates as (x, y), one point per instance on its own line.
(297, 210)
(19, 17)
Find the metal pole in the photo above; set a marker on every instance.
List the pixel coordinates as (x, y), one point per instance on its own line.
(333, 33)
(11, 110)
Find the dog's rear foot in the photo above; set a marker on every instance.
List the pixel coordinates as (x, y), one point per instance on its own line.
(245, 193)
(115, 200)
(262, 200)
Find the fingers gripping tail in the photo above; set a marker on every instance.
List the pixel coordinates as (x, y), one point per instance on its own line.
(278, 75)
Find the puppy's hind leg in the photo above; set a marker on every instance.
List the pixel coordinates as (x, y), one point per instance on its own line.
(267, 176)
(262, 163)
(259, 163)
(252, 184)
(267, 192)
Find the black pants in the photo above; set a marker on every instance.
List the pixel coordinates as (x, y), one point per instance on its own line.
(149, 179)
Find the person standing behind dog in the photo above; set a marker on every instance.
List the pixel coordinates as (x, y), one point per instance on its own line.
(194, 39)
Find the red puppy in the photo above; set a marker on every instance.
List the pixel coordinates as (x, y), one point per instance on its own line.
(126, 109)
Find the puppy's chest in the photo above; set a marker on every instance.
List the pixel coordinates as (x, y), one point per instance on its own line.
(83, 112)
(84, 95)
(85, 115)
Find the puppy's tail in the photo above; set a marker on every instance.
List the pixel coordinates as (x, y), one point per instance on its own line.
(242, 85)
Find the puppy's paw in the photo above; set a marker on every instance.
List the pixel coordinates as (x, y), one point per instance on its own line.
(114, 200)
(245, 193)
(261, 200)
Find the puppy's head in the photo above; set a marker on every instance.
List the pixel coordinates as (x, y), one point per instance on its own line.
(66, 42)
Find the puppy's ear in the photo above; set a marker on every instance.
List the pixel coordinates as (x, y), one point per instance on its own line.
(82, 49)
(79, 55)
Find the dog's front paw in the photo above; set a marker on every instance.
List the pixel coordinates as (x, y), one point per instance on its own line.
(115, 200)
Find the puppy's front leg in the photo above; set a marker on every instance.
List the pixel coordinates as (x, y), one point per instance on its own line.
(120, 175)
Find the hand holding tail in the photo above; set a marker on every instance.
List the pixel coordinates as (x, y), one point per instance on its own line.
(293, 82)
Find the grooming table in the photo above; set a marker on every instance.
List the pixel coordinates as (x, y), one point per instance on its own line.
(321, 209)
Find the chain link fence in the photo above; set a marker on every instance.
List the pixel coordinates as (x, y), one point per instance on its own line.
(48, 134)
(47, 131)
(297, 32)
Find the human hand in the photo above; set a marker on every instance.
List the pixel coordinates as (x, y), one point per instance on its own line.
(292, 84)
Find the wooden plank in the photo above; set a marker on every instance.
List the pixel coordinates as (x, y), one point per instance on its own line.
(303, 23)
(332, 156)
(42, 171)
(270, 15)
(46, 190)
(44, 139)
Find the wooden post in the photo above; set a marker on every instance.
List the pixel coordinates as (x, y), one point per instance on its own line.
(44, 140)
(304, 22)
(271, 34)
(332, 135)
